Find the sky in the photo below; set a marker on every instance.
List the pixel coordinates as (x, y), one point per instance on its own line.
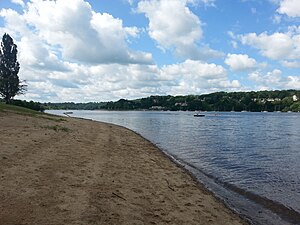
(104, 50)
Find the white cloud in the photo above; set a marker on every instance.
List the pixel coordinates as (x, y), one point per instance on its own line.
(289, 7)
(171, 19)
(234, 40)
(274, 80)
(291, 64)
(240, 62)
(76, 32)
(197, 77)
(195, 70)
(18, 2)
(207, 3)
(33, 51)
(114, 81)
(253, 10)
(234, 44)
(130, 2)
(174, 26)
(271, 78)
(15, 24)
(275, 1)
(276, 46)
(276, 19)
(292, 82)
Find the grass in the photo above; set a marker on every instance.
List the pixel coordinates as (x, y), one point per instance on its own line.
(17, 109)
(28, 112)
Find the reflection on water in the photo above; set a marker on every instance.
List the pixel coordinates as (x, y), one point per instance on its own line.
(253, 154)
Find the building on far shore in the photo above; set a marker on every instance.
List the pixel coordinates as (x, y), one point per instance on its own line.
(295, 98)
(157, 108)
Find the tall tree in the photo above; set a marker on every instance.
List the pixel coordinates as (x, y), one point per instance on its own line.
(10, 85)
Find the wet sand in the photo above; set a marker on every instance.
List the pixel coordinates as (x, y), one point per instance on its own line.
(63, 171)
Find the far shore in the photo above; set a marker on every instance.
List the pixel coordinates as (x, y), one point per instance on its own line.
(60, 170)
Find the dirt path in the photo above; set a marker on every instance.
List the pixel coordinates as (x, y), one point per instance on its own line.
(73, 171)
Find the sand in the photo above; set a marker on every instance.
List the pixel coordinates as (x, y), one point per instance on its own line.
(74, 171)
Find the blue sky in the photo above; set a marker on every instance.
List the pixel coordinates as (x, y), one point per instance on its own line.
(84, 50)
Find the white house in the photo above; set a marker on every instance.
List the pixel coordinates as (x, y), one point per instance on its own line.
(295, 98)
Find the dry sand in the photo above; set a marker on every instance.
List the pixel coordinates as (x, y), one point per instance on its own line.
(72, 171)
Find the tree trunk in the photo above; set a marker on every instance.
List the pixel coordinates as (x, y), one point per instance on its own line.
(7, 100)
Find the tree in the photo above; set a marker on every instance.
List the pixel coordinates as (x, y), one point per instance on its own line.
(10, 85)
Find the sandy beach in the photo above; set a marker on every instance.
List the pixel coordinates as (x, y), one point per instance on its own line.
(60, 171)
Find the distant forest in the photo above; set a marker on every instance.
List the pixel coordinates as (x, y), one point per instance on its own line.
(283, 100)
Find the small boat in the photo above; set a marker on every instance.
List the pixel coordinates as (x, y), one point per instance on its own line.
(199, 115)
(68, 113)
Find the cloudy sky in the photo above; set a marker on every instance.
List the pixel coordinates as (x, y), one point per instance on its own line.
(101, 50)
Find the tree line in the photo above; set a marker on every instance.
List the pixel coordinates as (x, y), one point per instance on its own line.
(254, 101)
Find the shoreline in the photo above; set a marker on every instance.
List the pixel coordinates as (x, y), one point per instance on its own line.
(251, 207)
(61, 170)
(261, 213)
(185, 167)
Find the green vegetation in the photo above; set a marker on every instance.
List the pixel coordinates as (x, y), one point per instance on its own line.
(285, 100)
(75, 106)
(10, 85)
(28, 112)
(18, 109)
(30, 105)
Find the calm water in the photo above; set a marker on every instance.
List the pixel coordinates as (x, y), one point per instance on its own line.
(250, 160)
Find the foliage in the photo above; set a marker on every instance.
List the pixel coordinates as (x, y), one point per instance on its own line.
(30, 105)
(219, 101)
(9, 68)
(74, 106)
